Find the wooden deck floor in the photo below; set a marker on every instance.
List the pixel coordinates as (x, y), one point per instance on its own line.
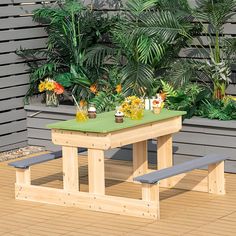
(183, 212)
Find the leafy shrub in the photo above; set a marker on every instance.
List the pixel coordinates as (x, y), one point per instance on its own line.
(186, 98)
(218, 109)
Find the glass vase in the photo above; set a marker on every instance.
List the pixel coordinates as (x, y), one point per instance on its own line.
(81, 114)
(51, 99)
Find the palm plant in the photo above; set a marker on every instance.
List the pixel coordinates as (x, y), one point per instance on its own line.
(72, 29)
(217, 13)
(219, 51)
(144, 42)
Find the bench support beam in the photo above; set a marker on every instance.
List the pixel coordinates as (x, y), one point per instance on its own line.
(88, 201)
(23, 176)
(150, 193)
(216, 179)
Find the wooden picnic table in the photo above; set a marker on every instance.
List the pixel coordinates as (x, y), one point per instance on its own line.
(101, 134)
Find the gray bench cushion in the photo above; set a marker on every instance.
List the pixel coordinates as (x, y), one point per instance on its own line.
(155, 176)
(25, 163)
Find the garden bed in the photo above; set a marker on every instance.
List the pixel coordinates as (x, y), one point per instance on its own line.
(198, 136)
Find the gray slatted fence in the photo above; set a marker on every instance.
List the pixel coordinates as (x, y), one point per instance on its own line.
(16, 30)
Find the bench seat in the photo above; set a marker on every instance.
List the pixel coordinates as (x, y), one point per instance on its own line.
(158, 175)
(26, 163)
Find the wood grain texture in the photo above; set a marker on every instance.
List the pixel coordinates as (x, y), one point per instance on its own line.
(140, 160)
(187, 212)
(23, 176)
(70, 169)
(216, 178)
(96, 171)
(164, 154)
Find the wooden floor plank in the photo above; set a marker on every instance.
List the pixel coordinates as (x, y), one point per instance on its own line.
(182, 212)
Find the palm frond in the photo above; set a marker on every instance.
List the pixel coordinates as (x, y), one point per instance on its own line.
(137, 78)
(100, 54)
(150, 50)
(162, 24)
(137, 7)
(216, 12)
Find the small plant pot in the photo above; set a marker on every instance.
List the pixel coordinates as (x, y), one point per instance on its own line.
(156, 110)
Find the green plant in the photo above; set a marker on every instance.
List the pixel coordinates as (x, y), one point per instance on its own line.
(186, 98)
(218, 109)
(155, 37)
(72, 29)
(216, 13)
(212, 45)
(109, 91)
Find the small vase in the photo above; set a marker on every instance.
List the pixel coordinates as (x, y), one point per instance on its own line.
(51, 99)
(81, 114)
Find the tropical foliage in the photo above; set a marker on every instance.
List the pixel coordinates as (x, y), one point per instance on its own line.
(145, 41)
(72, 29)
(218, 109)
(186, 98)
(102, 58)
(108, 91)
(211, 44)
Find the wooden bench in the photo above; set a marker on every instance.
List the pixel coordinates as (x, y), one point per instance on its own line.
(23, 166)
(216, 181)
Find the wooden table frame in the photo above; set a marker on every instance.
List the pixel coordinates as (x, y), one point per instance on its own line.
(95, 199)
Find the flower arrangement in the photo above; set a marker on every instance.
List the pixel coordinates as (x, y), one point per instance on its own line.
(133, 107)
(50, 85)
(158, 103)
(52, 89)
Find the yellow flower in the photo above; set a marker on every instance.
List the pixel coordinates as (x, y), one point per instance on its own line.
(131, 103)
(118, 88)
(41, 86)
(49, 85)
(136, 101)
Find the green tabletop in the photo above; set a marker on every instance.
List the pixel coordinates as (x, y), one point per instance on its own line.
(105, 122)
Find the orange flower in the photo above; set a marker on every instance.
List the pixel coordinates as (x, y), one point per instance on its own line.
(118, 88)
(163, 96)
(82, 103)
(155, 102)
(59, 89)
(93, 88)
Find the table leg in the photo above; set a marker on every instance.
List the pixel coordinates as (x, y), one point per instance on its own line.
(96, 171)
(140, 160)
(70, 168)
(164, 156)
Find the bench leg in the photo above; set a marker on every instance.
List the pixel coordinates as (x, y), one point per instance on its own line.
(140, 161)
(164, 157)
(150, 192)
(23, 176)
(216, 179)
(70, 168)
